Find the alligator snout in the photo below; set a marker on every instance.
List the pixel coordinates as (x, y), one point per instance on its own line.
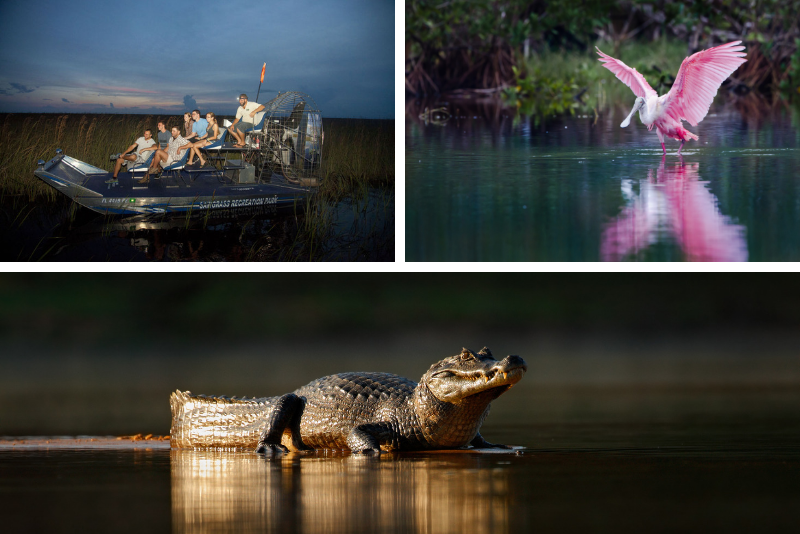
(510, 365)
(512, 362)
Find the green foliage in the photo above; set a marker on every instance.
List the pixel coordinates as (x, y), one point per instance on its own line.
(472, 44)
(790, 85)
(538, 96)
(483, 23)
(561, 82)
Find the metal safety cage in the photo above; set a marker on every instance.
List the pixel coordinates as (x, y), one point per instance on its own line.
(289, 141)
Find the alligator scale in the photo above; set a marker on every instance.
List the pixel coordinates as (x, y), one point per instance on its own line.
(360, 412)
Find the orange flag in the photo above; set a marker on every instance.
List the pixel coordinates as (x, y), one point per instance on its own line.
(262, 72)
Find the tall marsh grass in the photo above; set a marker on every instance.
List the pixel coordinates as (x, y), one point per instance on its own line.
(357, 154)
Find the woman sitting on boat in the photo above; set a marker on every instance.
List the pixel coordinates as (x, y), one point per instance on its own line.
(212, 133)
(188, 122)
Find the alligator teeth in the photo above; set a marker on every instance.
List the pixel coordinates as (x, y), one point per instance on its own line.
(505, 375)
(485, 378)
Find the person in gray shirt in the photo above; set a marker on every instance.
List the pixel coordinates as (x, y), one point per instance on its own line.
(163, 135)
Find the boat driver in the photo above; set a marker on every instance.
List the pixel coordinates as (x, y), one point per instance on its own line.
(141, 145)
(244, 119)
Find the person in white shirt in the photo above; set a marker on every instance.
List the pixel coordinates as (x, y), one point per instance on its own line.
(141, 145)
(244, 119)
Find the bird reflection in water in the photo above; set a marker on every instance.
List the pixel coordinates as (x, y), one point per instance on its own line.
(677, 205)
(244, 492)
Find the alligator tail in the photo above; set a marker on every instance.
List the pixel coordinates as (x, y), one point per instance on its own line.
(201, 421)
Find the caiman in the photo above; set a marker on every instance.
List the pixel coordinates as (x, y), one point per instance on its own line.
(362, 412)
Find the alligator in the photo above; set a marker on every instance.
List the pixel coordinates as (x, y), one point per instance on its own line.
(366, 413)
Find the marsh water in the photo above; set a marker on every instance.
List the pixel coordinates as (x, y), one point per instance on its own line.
(359, 228)
(490, 186)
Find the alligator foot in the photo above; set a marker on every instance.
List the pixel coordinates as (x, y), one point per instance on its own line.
(271, 449)
(367, 438)
(480, 443)
(368, 452)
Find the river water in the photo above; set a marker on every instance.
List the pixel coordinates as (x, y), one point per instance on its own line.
(676, 468)
(488, 186)
(682, 434)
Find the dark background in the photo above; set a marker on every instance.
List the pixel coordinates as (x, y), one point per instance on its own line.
(96, 353)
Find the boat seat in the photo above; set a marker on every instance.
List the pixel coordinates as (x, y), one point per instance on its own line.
(216, 144)
(258, 122)
(219, 150)
(142, 167)
(180, 164)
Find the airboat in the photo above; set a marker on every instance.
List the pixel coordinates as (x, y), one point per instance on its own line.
(279, 167)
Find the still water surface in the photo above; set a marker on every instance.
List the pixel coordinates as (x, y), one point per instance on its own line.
(352, 229)
(488, 187)
(608, 460)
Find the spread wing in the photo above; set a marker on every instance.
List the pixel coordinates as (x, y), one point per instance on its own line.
(630, 77)
(698, 79)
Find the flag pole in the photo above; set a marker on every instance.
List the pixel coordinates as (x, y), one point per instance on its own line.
(262, 81)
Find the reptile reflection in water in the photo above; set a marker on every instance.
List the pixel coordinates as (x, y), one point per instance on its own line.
(244, 492)
(677, 205)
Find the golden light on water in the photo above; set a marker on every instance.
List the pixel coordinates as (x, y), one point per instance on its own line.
(245, 492)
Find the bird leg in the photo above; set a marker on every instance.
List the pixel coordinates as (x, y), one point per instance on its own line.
(664, 148)
(679, 148)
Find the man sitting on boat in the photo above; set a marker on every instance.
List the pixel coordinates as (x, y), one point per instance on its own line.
(141, 145)
(244, 119)
(199, 127)
(163, 135)
(176, 145)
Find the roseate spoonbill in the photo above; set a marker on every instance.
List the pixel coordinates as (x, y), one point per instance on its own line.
(691, 95)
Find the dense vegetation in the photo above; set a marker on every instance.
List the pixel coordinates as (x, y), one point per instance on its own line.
(71, 310)
(491, 46)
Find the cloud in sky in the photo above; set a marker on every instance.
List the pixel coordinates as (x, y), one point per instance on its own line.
(111, 104)
(189, 103)
(16, 88)
(339, 52)
(65, 100)
(21, 88)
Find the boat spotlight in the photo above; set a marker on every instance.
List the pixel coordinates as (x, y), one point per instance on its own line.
(58, 151)
(40, 163)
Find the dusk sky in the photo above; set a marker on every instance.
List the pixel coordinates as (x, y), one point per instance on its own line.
(168, 57)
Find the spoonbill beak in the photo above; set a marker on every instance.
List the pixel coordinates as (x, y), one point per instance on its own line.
(627, 120)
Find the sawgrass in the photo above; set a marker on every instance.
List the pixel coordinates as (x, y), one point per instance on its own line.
(357, 153)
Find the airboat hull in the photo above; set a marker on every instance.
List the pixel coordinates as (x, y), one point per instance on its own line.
(177, 192)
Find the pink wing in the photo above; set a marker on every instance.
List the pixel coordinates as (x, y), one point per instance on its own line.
(630, 77)
(698, 79)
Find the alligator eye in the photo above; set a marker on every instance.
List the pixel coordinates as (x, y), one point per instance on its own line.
(444, 374)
